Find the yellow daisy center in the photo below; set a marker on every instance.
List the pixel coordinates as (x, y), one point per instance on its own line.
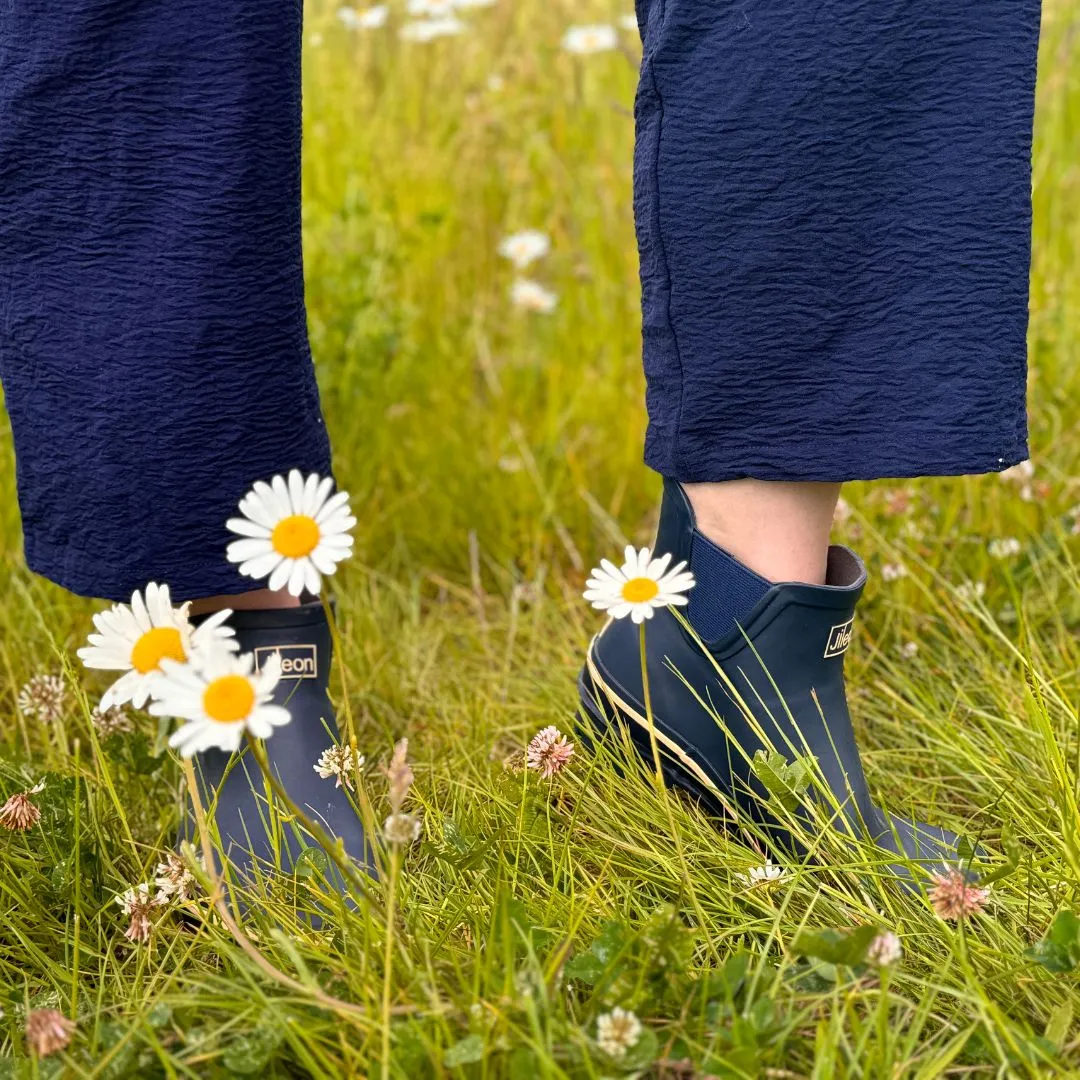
(228, 699)
(295, 536)
(148, 652)
(639, 590)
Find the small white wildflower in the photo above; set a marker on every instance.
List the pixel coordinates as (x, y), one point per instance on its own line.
(174, 880)
(585, 40)
(1005, 547)
(138, 904)
(909, 650)
(43, 697)
(549, 751)
(525, 247)
(532, 296)
(970, 590)
(430, 29)
(114, 721)
(496, 84)
(768, 873)
(628, 22)
(617, 1032)
(340, 762)
(842, 511)
(401, 829)
(893, 571)
(884, 950)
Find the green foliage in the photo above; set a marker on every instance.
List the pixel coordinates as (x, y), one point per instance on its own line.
(494, 456)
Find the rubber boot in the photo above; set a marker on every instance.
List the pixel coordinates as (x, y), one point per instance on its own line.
(233, 786)
(774, 684)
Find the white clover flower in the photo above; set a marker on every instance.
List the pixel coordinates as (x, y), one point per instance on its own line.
(525, 247)
(884, 950)
(430, 29)
(585, 40)
(640, 586)
(617, 1032)
(768, 873)
(549, 751)
(139, 904)
(340, 762)
(532, 296)
(136, 638)
(893, 571)
(221, 696)
(174, 880)
(970, 590)
(1005, 547)
(293, 532)
(401, 829)
(43, 697)
(909, 650)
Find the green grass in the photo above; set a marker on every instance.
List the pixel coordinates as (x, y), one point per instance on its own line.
(493, 456)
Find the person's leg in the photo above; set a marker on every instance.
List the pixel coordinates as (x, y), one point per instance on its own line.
(833, 214)
(153, 341)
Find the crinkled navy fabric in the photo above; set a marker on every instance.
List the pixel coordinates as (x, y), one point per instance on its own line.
(153, 342)
(833, 212)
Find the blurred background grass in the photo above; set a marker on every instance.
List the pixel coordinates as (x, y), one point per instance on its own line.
(494, 455)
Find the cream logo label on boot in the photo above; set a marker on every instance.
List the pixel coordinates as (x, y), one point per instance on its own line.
(839, 638)
(297, 661)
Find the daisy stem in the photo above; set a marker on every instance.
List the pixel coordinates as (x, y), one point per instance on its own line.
(217, 898)
(388, 956)
(322, 838)
(648, 710)
(661, 789)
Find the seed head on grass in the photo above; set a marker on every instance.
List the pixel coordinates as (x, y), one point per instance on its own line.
(400, 828)
(549, 752)
(48, 1032)
(617, 1032)
(953, 898)
(20, 812)
(43, 698)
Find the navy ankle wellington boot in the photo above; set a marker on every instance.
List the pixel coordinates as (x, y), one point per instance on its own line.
(233, 787)
(774, 684)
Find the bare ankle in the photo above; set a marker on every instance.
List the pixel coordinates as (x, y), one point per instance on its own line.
(778, 529)
(258, 599)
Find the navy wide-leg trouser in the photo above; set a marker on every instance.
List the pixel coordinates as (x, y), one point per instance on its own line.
(153, 340)
(833, 213)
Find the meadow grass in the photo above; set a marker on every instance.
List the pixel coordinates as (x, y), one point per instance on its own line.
(494, 456)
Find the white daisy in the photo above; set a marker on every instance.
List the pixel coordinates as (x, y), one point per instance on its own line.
(532, 296)
(584, 40)
(430, 29)
(136, 637)
(368, 19)
(293, 532)
(431, 9)
(640, 586)
(524, 247)
(220, 696)
(766, 874)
